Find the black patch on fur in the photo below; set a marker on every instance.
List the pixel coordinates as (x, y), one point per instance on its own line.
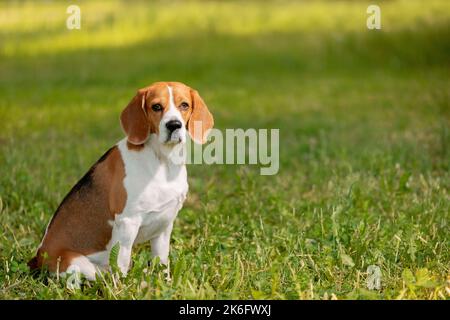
(83, 185)
(32, 264)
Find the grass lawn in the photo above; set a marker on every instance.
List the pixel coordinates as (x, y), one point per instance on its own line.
(364, 118)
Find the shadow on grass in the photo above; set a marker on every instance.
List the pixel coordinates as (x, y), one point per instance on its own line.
(215, 60)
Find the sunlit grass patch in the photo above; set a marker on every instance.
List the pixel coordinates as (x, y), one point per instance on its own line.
(33, 28)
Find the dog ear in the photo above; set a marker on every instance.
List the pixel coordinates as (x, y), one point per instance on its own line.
(134, 119)
(201, 120)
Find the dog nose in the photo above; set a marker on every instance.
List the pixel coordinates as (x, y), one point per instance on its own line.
(173, 125)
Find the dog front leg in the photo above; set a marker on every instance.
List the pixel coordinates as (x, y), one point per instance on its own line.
(161, 244)
(160, 248)
(124, 232)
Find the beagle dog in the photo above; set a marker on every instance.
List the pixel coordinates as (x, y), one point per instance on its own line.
(134, 191)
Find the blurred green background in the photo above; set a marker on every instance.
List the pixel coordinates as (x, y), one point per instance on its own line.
(364, 139)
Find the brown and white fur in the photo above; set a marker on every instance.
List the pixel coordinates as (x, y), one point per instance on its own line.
(134, 191)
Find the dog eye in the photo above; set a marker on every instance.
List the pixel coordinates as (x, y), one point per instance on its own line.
(157, 107)
(184, 106)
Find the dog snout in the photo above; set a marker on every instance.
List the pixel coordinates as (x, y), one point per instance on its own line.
(173, 125)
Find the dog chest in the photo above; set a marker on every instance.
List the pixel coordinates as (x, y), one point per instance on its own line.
(155, 190)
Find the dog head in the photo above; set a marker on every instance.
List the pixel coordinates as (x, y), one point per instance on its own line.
(169, 110)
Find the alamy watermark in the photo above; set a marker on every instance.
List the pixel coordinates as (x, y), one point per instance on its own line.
(373, 280)
(374, 20)
(73, 21)
(233, 146)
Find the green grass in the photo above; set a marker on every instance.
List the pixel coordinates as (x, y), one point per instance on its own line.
(364, 142)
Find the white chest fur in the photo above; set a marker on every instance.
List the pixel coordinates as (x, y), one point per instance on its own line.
(156, 189)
